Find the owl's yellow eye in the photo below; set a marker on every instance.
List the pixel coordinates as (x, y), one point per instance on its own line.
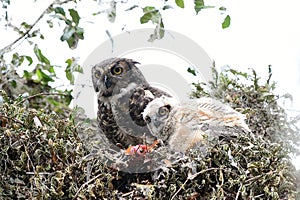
(163, 111)
(117, 70)
(97, 74)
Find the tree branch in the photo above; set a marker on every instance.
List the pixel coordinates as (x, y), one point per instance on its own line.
(26, 34)
(11, 118)
(85, 184)
(41, 94)
(191, 177)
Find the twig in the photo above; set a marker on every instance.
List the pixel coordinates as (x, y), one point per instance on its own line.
(257, 177)
(41, 94)
(13, 119)
(127, 194)
(40, 173)
(238, 193)
(191, 178)
(26, 34)
(86, 183)
(28, 156)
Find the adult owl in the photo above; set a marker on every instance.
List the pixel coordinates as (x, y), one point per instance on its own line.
(123, 94)
(183, 125)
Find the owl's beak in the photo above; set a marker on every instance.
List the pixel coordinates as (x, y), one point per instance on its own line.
(156, 122)
(107, 82)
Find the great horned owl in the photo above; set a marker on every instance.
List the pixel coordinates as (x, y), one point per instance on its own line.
(182, 125)
(123, 95)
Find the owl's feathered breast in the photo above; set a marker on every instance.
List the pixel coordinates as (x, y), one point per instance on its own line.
(110, 128)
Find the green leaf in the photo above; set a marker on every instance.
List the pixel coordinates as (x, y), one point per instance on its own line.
(151, 14)
(50, 23)
(40, 56)
(180, 3)
(226, 22)
(17, 60)
(111, 14)
(148, 9)
(25, 25)
(60, 10)
(145, 18)
(29, 59)
(198, 5)
(72, 67)
(222, 8)
(80, 32)
(27, 75)
(75, 16)
(192, 71)
(72, 36)
(167, 7)
(68, 32)
(70, 77)
(238, 73)
(43, 77)
(159, 32)
(51, 69)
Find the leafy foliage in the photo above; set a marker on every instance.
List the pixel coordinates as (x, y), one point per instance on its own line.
(72, 32)
(42, 155)
(152, 14)
(44, 71)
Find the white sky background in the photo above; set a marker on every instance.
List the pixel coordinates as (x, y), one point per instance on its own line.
(262, 33)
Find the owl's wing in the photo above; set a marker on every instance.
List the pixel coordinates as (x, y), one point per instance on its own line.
(221, 114)
(188, 124)
(185, 138)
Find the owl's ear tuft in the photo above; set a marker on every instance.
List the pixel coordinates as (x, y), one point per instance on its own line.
(135, 62)
(131, 61)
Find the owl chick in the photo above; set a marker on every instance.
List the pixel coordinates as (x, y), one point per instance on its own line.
(183, 125)
(123, 94)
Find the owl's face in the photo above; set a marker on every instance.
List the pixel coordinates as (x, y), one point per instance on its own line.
(157, 112)
(113, 74)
